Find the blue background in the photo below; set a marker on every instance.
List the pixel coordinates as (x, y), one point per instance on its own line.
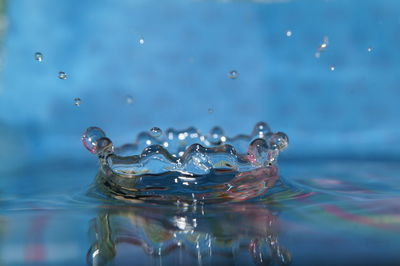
(181, 71)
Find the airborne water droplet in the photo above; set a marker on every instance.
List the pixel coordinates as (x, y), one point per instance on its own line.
(332, 68)
(90, 138)
(141, 40)
(77, 101)
(278, 140)
(155, 132)
(62, 75)
(233, 74)
(289, 33)
(210, 110)
(129, 99)
(369, 49)
(38, 57)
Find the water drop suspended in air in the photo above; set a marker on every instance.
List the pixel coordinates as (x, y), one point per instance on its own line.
(278, 140)
(233, 74)
(129, 99)
(90, 138)
(77, 101)
(369, 49)
(156, 132)
(38, 57)
(289, 33)
(261, 129)
(62, 75)
(141, 40)
(332, 68)
(210, 110)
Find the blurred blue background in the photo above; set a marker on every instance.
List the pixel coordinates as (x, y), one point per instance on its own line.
(181, 70)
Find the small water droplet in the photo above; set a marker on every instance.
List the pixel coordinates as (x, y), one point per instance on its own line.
(257, 152)
(332, 68)
(210, 110)
(141, 40)
(62, 75)
(77, 101)
(369, 49)
(216, 136)
(155, 132)
(90, 138)
(278, 140)
(289, 33)
(233, 74)
(129, 99)
(39, 57)
(261, 129)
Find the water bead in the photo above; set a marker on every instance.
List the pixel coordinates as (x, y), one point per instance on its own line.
(210, 110)
(233, 74)
(39, 57)
(129, 99)
(369, 49)
(257, 152)
(104, 145)
(90, 138)
(216, 136)
(155, 132)
(62, 75)
(261, 129)
(332, 68)
(278, 141)
(289, 33)
(141, 40)
(77, 101)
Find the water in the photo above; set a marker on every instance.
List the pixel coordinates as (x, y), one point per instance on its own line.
(62, 75)
(38, 56)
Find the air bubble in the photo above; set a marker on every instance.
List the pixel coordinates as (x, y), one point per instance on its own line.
(62, 75)
(90, 138)
(39, 57)
(233, 74)
(155, 132)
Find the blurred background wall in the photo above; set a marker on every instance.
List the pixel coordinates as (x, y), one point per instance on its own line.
(181, 71)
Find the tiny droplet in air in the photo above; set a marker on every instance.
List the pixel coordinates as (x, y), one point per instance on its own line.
(141, 40)
(62, 75)
(156, 132)
(233, 74)
(332, 68)
(39, 57)
(289, 33)
(77, 101)
(129, 99)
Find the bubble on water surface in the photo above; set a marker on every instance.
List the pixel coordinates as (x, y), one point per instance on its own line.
(155, 132)
(77, 101)
(39, 57)
(129, 99)
(233, 74)
(90, 138)
(62, 75)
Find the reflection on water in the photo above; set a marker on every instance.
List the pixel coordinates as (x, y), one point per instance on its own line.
(195, 234)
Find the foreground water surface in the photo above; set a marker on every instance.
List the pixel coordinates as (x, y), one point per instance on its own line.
(330, 212)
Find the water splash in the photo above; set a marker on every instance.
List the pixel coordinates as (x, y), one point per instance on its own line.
(188, 165)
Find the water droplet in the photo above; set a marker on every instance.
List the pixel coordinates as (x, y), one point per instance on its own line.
(289, 33)
(62, 75)
(278, 140)
(257, 152)
(155, 132)
(129, 99)
(90, 138)
(77, 101)
(104, 145)
(141, 40)
(369, 49)
(233, 74)
(332, 68)
(216, 136)
(261, 129)
(210, 110)
(38, 57)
